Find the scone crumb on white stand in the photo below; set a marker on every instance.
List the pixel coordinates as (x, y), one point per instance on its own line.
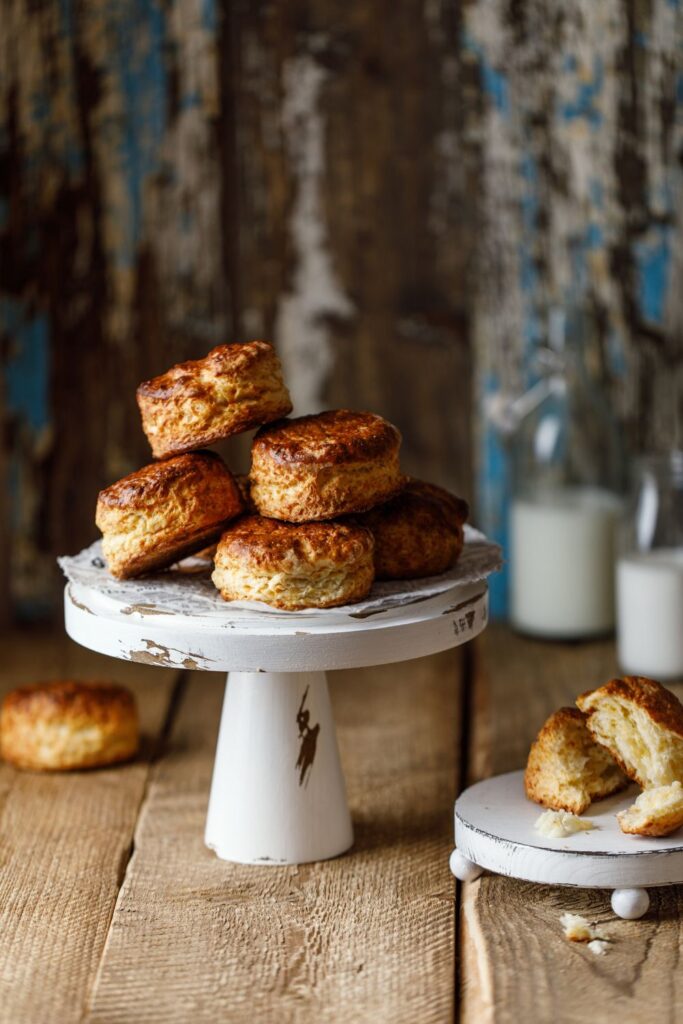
(560, 824)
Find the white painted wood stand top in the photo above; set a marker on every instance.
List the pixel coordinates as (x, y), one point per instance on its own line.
(494, 831)
(278, 794)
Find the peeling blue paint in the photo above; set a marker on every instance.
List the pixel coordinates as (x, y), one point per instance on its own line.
(596, 191)
(493, 490)
(27, 368)
(583, 105)
(190, 100)
(653, 259)
(595, 238)
(136, 63)
(494, 82)
(209, 16)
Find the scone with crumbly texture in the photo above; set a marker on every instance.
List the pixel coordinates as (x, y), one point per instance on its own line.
(325, 466)
(641, 724)
(566, 768)
(418, 533)
(656, 812)
(232, 389)
(294, 565)
(67, 725)
(165, 511)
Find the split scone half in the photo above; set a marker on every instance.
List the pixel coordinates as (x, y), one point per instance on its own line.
(418, 533)
(324, 466)
(294, 565)
(566, 768)
(165, 511)
(656, 812)
(641, 724)
(232, 389)
(67, 725)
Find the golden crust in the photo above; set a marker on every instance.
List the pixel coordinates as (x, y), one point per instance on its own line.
(68, 725)
(641, 724)
(325, 466)
(566, 769)
(656, 812)
(232, 389)
(291, 566)
(165, 511)
(417, 533)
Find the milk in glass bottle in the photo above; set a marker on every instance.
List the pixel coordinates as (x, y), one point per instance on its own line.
(567, 496)
(650, 570)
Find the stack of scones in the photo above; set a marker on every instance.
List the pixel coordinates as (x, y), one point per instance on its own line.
(324, 511)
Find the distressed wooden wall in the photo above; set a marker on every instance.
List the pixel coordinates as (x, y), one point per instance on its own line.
(391, 192)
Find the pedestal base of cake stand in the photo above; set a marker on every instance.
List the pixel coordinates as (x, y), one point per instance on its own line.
(494, 831)
(277, 794)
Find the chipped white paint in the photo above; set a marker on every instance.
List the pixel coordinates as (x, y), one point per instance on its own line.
(277, 794)
(315, 295)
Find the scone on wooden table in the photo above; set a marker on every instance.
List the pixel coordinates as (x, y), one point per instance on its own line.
(324, 466)
(165, 511)
(656, 812)
(232, 389)
(641, 724)
(66, 725)
(566, 768)
(291, 566)
(418, 533)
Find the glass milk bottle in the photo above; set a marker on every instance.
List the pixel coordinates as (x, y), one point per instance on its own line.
(567, 467)
(650, 571)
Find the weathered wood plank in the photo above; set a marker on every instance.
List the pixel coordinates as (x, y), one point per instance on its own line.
(366, 937)
(353, 166)
(516, 964)
(579, 197)
(65, 840)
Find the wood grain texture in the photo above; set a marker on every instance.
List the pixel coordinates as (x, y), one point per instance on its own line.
(516, 963)
(579, 139)
(358, 229)
(366, 937)
(66, 840)
(173, 175)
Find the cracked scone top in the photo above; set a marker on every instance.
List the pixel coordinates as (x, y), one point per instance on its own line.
(294, 565)
(232, 389)
(324, 466)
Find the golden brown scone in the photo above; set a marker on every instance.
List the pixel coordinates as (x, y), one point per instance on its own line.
(324, 466)
(656, 812)
(232, 389)
(294, 565)
(165, 511)
(566, 768)
(417, 533)
(641, 724)
(68, 725)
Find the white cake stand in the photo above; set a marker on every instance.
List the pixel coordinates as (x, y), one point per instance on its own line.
(494, 831)
(278, 794)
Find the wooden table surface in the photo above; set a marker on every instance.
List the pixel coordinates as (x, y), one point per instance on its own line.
(112, 910)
